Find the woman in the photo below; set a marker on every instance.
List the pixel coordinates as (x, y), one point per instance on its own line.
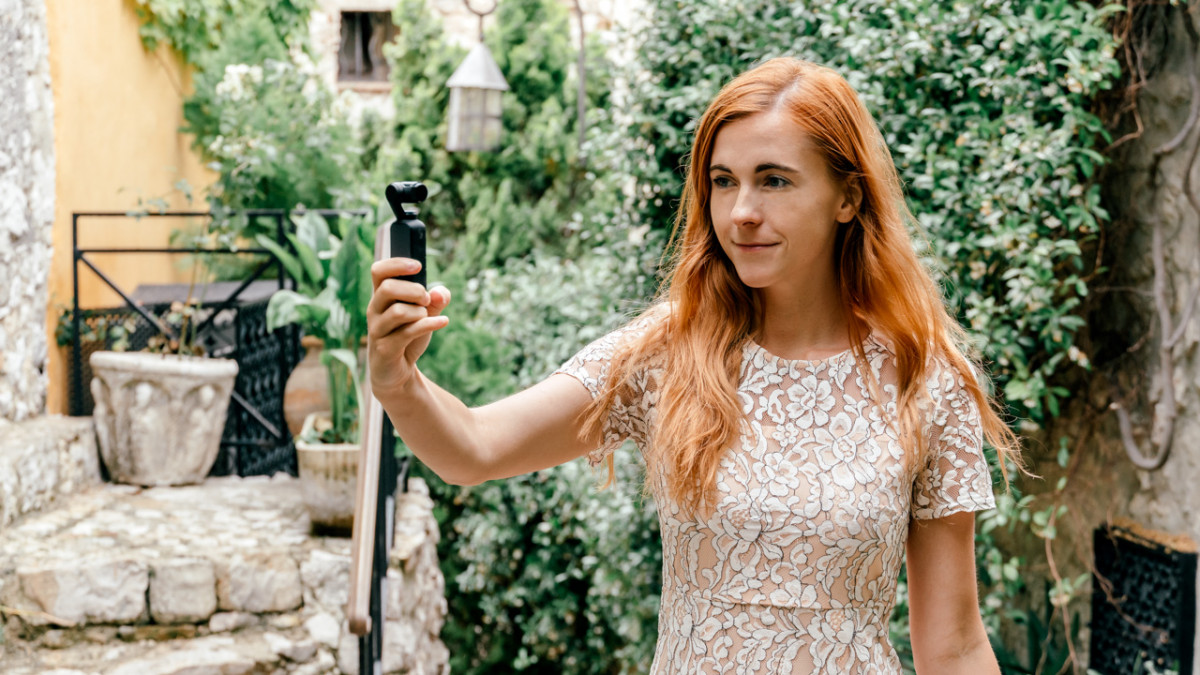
(797, 393)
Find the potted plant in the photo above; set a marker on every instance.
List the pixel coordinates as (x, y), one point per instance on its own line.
(160, 413)
(331, 263)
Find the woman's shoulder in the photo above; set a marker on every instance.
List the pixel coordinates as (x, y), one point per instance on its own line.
(649, 319)
(942, 372)
(604, 347)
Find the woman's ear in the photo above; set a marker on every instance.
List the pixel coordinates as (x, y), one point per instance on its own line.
(851, 200)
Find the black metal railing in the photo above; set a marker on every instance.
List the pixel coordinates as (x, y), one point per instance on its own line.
(255, 440)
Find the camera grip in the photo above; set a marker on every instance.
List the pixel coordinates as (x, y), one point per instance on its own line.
(408, 241)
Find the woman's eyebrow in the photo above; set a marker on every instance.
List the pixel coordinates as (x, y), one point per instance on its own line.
(772, 166)
(768, 166)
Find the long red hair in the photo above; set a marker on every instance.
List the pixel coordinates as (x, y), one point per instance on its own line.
(709, 314)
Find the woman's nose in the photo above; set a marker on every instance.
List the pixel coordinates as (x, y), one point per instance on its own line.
(746, 210)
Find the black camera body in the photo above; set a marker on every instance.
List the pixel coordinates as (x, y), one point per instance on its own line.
(407, 237)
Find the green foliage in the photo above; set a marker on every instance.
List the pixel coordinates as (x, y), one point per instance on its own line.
(332, 270)
(260, 115)
(276, 136)
(113, 332)
(486, 208)
(194, 28)
(1046, 649)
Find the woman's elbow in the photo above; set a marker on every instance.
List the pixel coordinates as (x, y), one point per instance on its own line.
(467, 473)
(952, 656)
(461, 476)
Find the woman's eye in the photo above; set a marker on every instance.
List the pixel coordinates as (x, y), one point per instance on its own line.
(777, 181)
(722, 181)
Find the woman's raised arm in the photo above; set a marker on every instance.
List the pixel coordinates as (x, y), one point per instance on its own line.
(534, 429)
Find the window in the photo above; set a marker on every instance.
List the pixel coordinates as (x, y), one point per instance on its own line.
(360, 58)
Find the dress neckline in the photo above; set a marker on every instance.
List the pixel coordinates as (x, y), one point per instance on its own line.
(753, 348)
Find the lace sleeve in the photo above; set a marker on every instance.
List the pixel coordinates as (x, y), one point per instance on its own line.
(627, 417)
(956, 477)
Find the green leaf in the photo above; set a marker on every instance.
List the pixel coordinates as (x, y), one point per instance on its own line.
(287, 307)
(290, 262)
(314, 271)
(352, 270)
(335, 325)
(344, 356)
(312, 231)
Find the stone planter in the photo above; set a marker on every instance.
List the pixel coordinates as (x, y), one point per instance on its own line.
(159, 417)
(328, 476)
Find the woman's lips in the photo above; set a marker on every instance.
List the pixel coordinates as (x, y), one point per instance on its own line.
(754, 247)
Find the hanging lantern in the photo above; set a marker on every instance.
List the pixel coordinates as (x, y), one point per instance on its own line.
(475, 92)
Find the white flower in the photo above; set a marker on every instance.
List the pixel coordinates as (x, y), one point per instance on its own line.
(811, 401)
(841, 449)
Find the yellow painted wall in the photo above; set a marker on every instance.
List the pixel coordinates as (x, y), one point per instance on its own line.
(117, 113)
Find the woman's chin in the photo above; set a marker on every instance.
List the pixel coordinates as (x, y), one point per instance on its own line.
(755, 281)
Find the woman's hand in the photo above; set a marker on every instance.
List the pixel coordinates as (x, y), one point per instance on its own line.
(401, 317)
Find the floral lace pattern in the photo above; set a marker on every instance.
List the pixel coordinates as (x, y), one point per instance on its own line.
(795, 570)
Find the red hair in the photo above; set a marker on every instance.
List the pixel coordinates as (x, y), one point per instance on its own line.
(710, 314)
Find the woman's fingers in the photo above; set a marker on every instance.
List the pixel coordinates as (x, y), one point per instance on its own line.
(393, 267)
(426, 326)
(394, 317)
(391, 291)
(417, 333)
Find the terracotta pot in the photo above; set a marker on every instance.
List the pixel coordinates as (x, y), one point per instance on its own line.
(159, 417)
(307, 388)
(328, 476)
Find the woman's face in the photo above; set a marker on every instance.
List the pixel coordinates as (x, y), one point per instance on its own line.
(775, 205)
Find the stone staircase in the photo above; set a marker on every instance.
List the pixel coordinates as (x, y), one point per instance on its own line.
(222, 578)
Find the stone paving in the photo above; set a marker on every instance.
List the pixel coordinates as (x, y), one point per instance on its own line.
(222, 577)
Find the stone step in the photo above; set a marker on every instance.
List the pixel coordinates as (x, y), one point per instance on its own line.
(233, 557)
(257, 649)
(42, 459)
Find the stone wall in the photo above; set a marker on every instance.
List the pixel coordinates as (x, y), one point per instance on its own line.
(218, 577)
(26, 205)
(1125, 333)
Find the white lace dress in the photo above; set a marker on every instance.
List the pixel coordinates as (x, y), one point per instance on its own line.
(795, 571)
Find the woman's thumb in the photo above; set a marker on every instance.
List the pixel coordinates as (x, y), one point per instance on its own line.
(439, 297)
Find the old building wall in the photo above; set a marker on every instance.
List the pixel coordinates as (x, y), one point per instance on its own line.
(1144, 189)
(26, 205)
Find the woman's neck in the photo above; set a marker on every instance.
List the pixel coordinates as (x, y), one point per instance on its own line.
(804, 325)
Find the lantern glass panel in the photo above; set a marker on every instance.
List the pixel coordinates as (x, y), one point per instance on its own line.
(474, 137)
(473, 101)
(491, 132)
(475, 120)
